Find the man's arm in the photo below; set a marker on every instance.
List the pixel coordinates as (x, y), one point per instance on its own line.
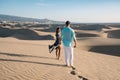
(75, 41)
(74, 38)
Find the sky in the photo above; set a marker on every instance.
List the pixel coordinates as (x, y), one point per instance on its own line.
(83, 11)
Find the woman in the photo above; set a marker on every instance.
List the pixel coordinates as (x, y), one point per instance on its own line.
(57, 43)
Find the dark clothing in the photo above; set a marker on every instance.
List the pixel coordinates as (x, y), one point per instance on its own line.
(57, 41)
(56, 44)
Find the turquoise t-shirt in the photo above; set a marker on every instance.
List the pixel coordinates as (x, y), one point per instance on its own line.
(67, 35)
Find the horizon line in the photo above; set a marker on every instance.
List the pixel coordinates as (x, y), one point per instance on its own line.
(62, 20)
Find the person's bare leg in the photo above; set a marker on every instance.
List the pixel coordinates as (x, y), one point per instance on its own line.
(59, 52)
(56, 52)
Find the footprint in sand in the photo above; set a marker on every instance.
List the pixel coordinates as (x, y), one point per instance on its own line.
(82, 78)
(73, 72)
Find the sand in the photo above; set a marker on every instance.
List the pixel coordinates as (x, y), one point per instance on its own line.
(97, 56)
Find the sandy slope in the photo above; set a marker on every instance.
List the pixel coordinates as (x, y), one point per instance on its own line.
(95, 58)
(22, 60)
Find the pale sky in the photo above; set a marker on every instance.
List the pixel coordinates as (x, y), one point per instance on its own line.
(62, 10)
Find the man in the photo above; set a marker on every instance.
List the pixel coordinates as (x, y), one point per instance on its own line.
(68, 36)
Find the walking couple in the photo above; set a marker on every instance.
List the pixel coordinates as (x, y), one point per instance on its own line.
(67, 36)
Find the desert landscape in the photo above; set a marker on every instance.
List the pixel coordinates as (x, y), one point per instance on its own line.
(24, 53)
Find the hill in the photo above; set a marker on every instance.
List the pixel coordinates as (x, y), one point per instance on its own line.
(24, 19)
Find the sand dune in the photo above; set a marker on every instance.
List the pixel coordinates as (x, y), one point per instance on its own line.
(114, 34)
(23, 34)
(79, 34)
(89, 27)
(48, 29)
(24, 55)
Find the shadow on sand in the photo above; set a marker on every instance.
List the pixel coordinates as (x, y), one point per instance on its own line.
(113, 50)
(50, 64)
(22, 55)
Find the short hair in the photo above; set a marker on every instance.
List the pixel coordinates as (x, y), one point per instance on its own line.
(67, 23)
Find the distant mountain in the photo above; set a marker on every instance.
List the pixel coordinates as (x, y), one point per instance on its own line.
(24, 19)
